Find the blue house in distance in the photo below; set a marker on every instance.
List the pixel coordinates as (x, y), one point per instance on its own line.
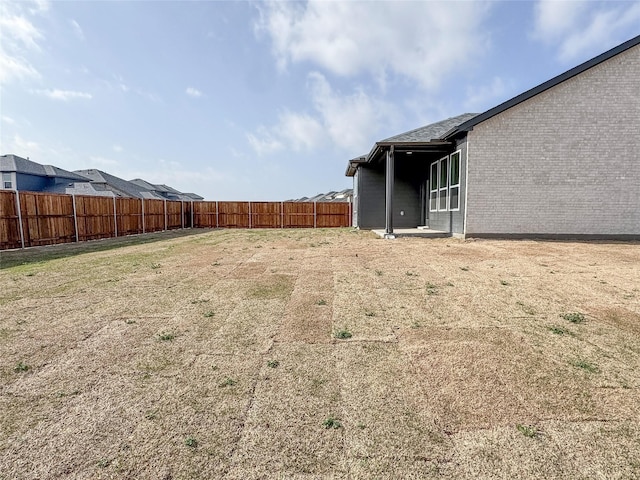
(23, 174)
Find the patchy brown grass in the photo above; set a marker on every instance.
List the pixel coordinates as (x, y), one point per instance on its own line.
(214, 356)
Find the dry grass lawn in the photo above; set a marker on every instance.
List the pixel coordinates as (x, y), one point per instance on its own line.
(214, 355)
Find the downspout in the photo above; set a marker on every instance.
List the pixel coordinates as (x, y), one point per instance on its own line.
(389, 177)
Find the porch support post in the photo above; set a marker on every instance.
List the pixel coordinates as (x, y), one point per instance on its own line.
(389, 177)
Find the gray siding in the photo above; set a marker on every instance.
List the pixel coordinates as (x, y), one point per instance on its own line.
(565, 162)
(370, 197)
(407, 204)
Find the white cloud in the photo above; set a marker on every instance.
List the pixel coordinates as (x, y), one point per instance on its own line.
(64, 95)
(264, 142)
(76, 29)
(117, 148)
(14, 68)
(20, 37)
(8, 120)
(193, 92)
(581, 27)
(481, 97)
(348, 121)
(102, 162)
(414, 40)
(23, 148)
(18, 30)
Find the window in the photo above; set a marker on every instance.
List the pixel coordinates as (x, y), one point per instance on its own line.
(6, 181)
(444, 189)
(443, 176)
(454, 182)
(433, 188)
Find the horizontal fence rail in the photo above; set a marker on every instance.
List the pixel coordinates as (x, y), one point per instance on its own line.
(30, 219)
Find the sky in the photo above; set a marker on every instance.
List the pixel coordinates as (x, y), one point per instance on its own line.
(269, 100)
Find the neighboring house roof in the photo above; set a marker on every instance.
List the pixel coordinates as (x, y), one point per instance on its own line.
(14, 163)
(332, 196)
(119, 186)
(193, 196)
(469, 124)
(166, 191)
(79, 188)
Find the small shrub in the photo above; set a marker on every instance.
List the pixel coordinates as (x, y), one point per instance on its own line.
(504, 282)
(21, 367)
(527, 430)
(155, 266)
(379, 273)
(191, 442)
(321, 302)
(209, 313)
(575, 317)
(273, 363)
(104, 463)
(411, 274)
(331, 423)
(432, 289)
(166, 337)
(370, 314)
(343, 334)
(464, 269)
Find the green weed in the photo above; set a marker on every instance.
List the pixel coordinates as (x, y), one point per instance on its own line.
(586, 366)
(227, 382)
(209, 313)
(21, 367)
(166, 337)
(331, 423)
(321, 302)
(575, 317)
(343, 334)
(273, 363)
(191, 442)
(527, 430)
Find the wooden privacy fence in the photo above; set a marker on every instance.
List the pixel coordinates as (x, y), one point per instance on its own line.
(30, 219)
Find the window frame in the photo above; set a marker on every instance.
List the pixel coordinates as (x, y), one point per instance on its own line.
(457, 153)
(436, 188)
(4, 176)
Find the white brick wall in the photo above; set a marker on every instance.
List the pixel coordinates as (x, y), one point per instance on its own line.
(566, 161)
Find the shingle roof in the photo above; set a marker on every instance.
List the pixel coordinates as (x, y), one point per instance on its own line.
(432, 131)
(14, 163)
(119, 186)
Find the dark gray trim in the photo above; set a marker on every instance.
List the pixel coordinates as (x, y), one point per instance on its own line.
(469, 124)
(555, 236)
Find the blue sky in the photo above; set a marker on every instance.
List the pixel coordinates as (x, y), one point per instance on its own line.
(268, 100)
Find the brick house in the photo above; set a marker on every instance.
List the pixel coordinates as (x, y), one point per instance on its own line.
(560, 160)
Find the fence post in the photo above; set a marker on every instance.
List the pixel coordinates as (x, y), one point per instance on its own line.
(20, 227)
(115, 217)
(249, 214)
(192, 225)
(315, 215)
(142, 203)
(182, 213)
(217, 219)
(165, 214)
(350, 220)
(75, 216)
